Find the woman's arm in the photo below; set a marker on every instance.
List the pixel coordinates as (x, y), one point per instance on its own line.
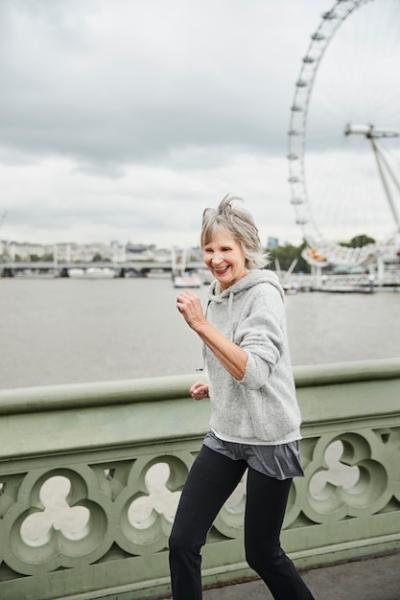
(259, 337)
(261, 334)
(230, 355)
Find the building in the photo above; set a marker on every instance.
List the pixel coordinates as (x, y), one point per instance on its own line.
(272, 243)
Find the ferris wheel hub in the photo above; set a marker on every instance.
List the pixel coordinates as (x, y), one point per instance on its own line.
(370, 131)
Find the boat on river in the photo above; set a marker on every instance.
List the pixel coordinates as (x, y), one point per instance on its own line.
(180, 277)
(187, 280)
(91, 273)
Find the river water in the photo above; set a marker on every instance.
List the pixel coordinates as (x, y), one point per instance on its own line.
(69, 330)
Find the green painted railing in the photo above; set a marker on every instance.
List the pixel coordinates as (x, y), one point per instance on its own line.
(90, 476)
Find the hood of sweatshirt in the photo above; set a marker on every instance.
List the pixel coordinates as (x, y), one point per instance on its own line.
(252, 278)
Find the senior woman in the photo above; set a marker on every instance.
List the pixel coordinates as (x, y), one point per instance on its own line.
(255, 418)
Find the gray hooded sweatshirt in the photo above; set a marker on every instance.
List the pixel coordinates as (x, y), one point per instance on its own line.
(262, 407)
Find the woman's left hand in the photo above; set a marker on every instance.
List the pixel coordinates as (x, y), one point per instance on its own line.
(189, 306)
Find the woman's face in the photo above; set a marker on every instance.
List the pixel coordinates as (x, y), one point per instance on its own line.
(225, 258)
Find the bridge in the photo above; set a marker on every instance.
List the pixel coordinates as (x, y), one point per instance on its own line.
(90, 476)
(138, 268)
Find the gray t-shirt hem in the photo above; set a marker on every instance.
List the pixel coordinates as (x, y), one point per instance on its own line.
(280, 461)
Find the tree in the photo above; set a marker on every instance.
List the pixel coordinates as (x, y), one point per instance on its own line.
(99, 258)
(285, 255)
(358, 241)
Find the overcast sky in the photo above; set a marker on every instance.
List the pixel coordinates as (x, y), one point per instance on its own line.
(124, 119)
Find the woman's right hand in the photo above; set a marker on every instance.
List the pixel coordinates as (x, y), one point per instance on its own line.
(199, 391)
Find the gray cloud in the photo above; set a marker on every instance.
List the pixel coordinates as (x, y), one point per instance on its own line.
(132, 81)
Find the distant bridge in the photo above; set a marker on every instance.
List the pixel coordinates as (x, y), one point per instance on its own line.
(139, 268)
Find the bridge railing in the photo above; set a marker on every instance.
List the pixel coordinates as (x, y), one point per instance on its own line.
(90, 476)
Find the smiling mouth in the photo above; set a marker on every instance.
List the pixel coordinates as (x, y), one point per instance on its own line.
(221, 272)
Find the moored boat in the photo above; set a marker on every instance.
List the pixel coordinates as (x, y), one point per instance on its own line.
(187, 280)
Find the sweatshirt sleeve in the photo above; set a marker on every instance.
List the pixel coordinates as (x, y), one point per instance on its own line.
(260, 333)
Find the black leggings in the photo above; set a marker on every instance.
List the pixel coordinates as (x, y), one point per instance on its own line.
(211, 480)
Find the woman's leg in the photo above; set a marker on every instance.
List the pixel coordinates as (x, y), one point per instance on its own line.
(211, 480)
(265, 509)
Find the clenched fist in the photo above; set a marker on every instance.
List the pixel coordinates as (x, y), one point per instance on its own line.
(189, 306)
(199, 391)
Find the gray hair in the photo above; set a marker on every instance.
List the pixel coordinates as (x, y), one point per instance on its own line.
(241, 225)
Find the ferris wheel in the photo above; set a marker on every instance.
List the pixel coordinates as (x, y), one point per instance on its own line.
(344, 133)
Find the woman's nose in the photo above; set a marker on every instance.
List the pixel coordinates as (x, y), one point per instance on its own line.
(216, 259)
